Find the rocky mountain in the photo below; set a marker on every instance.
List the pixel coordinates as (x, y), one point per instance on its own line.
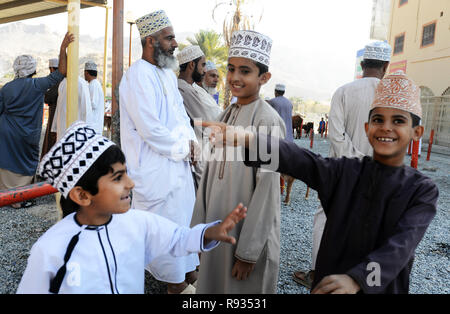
(296, 69)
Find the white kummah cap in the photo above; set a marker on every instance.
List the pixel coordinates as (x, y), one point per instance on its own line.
(280, 87)
(70, 158)
(90, 66)
(251, 45)
(53, 63)
(189, 54)
(152, 23)
(24, 65)
(379, 50)
(210, 66)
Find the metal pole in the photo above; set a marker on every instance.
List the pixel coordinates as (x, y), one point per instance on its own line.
(415, 155)
(430, 144)
(25, 193)
(73, 8)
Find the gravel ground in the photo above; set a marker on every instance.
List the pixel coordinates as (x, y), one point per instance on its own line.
(19, 229)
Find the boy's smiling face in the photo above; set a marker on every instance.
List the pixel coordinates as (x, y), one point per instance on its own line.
(114, 189)
(244, 79)
(390, 131)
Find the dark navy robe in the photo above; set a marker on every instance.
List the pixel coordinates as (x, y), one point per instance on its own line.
(21, 111)
(375, 214)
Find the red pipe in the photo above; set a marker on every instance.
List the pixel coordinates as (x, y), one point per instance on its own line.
(430, 144)
(24, 193)
(415, 155)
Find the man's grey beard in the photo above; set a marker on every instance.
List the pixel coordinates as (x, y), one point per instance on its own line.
(211, 90)
(163, 59)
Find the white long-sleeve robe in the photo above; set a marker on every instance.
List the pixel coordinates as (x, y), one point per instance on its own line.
(84, 106)
(124, 246)
(350, 107)
(155, 133)
(98, 105)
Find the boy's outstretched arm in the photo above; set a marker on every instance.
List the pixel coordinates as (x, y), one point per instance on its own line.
(220, 232)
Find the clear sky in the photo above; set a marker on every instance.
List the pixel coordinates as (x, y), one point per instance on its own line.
(323, 35)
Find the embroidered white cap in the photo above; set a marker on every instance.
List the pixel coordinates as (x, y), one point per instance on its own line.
(53, 63)
(379, 50)
(152, 23)
(210, 66)
(280, 87)
(90, 66)
(189, 54)
(251, 45)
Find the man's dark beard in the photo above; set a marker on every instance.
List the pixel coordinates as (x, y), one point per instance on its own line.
(197, 77)
(164, 59)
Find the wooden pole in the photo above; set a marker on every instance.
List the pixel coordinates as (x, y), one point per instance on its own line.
(129, 49)
(117, 66)
(73, 8)
(430, 144)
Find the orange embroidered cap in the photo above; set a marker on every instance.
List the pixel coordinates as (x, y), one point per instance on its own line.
(398, 91)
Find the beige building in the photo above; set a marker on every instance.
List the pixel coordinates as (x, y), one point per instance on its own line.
(419, 33)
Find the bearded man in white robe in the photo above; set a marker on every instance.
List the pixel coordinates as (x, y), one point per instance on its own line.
(198, 103)
(156, 138)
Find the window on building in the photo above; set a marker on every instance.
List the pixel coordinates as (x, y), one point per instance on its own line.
(428, 34)
(402, 2)
(399, 44)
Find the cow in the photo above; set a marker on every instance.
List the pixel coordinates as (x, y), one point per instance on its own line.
(297, 121)
(308, 127)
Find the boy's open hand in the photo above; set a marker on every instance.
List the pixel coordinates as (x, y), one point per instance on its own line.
(220, 232)
(337, 284)
(222, 134)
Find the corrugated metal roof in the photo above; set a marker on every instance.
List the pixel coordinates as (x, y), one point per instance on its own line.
(16, 10)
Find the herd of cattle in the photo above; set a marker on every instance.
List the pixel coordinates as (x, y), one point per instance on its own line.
(298, 126)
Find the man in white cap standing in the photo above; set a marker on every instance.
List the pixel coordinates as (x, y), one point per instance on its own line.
(97, 96)
(284, 108)
(157, 137)
(197, 102)
(84, 106)
(349, 111)
(50, 98)
(211, 80)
